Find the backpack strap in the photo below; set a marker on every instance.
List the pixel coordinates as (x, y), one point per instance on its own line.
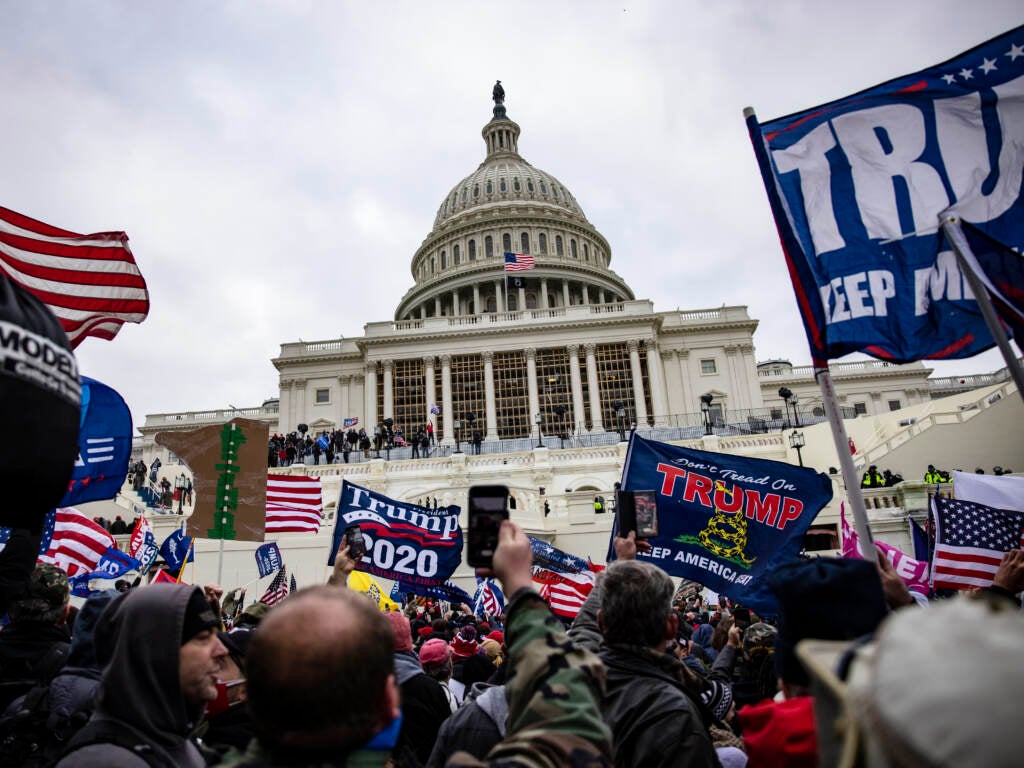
(106, 732)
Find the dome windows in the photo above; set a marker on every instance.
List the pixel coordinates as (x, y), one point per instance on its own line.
(489, 247)
(456, 256)
(559, 251)
(542, 241)
(476, 191)
(543, 188)
(506, 242)
(573, 249)
(586, 252)
(472, 250)
(529, 185)
(515, 184)
(465, 194)
(524, 241)
(490, 187)
(502, 185)
(444, 259)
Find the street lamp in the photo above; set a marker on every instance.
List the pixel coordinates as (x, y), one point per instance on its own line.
(536, 420)
(785, 393)
(458, 433)
(620, 411)
(796, 440)
(796, 413)
(705, 407)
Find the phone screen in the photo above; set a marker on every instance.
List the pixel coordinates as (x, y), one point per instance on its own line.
(356, 542)
(488, 507)
(646, 505)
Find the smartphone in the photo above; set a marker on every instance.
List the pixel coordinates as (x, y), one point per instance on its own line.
(488, 506)
(645, 506)
(355, 541)
(625, 513)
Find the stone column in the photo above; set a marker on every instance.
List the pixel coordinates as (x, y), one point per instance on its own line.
(578, 412)
(522, 298)
(370, 398)
(544, 304)
(565, 293)
(423, 311)
(489, 402)
(477, 309)
(455, 303)
(389, 389)
(639, 404)
(690, 403)
(499, 301)
(285, 407)
(659, 400)
(346, 385)
(428, 382)
(739, 401)
(586, 294)
(673, 388)
(446, 400)
(748, 373)
(437, 306)
(299, 397)
(600, 295)
(594, 391)
(531, 383)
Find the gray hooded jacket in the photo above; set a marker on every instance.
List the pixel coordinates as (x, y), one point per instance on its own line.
(138, 640)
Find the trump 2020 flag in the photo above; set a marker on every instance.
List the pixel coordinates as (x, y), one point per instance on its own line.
(404, 542)
(104, 445)
(142, 545)
(722, 518)
(857, 188)
(268, 558)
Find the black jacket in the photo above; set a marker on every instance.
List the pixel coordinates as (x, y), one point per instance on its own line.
(654, 723)
(477, 725)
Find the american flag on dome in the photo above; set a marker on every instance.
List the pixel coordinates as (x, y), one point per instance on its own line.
(90, 282)
(294, 504)
(278, 589)
(518, 262)
(970, 541)
(73, 542)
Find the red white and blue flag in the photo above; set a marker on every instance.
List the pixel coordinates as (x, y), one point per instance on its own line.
(278, 589)
(970, 541)
(294, 504)
(90, 282)
(488, 599)
(73, 542)
(350, 422)
(518, 262)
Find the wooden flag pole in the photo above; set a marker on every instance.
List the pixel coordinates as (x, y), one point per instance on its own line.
(849, 471)
(968, 265)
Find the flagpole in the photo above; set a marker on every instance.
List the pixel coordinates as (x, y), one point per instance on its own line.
(181, 571)
(849, 471)
(951, 226)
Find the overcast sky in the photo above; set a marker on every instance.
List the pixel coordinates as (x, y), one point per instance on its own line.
(276, 165)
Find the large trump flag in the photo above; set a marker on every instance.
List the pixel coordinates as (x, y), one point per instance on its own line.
(858, 187)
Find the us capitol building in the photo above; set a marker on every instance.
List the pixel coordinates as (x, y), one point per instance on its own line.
(552, 365)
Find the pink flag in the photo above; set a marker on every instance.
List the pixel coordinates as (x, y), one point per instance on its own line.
(913, 572)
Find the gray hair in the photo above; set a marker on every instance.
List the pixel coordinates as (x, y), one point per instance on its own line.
(636, 599)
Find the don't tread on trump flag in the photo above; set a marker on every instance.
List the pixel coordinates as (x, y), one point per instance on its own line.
(858, 187)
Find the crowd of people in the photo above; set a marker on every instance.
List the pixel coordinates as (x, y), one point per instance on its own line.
(342, 445)
(646, 675)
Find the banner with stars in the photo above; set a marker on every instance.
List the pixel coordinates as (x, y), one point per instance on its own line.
(857, 188)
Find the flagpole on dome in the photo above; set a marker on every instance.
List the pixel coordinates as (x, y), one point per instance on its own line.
(970, 269)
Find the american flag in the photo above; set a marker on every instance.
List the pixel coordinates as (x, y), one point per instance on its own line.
(518, 262)
(278, 589)
(294, 504)
(488, 599)
(349, 423)
(90, 282)
(292, 586)
(73, 542)
(565, 592)
(970, 541)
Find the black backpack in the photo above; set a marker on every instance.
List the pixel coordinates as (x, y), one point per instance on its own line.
(25, 738)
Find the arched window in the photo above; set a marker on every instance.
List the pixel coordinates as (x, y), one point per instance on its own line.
(456, 256)
(515, 184)
(543, 188)
(433, 265)
(444, 259)
(501, 184)
(586, 252)
(490, 187)
(489, 247)
(524, 241)
(506, 242)
(492, 304)
(559, 251)
(529, 185)
(472, 250)
(531, 301)
(476, 191)
(465, 194)
(572, 248)
(543, 242)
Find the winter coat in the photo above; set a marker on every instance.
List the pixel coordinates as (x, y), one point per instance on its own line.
(476, 727)
(138, 641)
(424, 706)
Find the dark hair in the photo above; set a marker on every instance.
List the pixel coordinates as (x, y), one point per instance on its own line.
(317, 672)
(636, 600)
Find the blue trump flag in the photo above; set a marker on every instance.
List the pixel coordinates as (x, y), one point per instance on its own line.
(104, 445)
(1001, 270)
(404, 542)
(857, 188)
(723, 518)
(113, 565)
(268, 558)
(175, 550)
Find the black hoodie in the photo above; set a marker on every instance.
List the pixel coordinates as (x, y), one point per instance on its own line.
(138, 639)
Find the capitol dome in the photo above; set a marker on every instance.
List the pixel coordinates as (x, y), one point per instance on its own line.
(505, 206)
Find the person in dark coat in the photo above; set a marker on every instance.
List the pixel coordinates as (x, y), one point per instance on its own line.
(476, 727)
(656, 720)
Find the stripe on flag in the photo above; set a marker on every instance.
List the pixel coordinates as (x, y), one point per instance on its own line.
(518, 262)
(565, 592)
(970, 541)
(90, 282)
(73, 542)
(278, 589)
(294, 504)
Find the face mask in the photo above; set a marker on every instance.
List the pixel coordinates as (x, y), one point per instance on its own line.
(227, 697)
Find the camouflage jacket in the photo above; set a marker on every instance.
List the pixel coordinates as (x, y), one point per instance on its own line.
(553, 689)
